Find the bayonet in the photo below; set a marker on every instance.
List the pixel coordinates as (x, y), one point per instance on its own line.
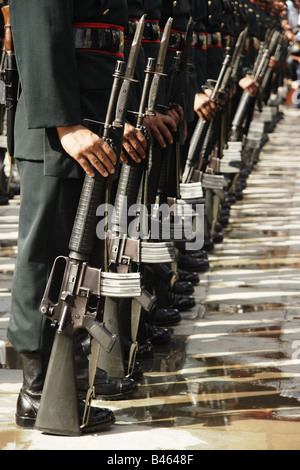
(123, 101)
(160, 63)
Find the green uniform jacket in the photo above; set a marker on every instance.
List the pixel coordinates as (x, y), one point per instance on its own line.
(60, 87)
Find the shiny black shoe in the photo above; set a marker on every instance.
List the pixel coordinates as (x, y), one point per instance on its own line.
(187, 276)
(224, 221)
(99, 419)
(199, 254)
(208, 245)
(34, 370)
(188, 263)
(144, 350)
(136, 373)
(27, 409)
(218, 227)
(218, 238)
(239, 195)
(159, 335)
(183, 303)
(225, 213)
(106, 387)
(183, 288)
(109, 388)
(166, 317)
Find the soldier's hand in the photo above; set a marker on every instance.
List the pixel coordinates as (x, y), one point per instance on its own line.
(162, 127)
(247, 83)
(134, 143)
(204, 107)
(87, 148)
(274, 64)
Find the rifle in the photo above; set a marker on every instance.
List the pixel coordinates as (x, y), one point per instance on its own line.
(157, 156)
(133, 187)
(193, 163)
(260, 69)
(124, 252)
(74, 289)
(268, 81)
(11, 80)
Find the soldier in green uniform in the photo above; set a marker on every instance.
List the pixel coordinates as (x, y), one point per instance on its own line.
(64, 79)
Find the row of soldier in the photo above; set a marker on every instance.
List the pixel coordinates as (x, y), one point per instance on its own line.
(183, 144)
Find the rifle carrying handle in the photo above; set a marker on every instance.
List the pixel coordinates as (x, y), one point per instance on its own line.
(8, 41)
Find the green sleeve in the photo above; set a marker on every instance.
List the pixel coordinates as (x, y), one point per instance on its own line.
(43, 42)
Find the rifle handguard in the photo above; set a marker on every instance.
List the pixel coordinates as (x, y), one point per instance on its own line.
(84, 228)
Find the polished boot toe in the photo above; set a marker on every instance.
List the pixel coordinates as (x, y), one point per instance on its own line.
(183, 287)
(199, 254)
(193, 264)
(208, 245)
(187, 276)
(218, 238)
(145, 350)
(110, 388)
(183, 303)
(99, 419)
(166, 317)
(135, 372)
(160, 336)
(27, 408)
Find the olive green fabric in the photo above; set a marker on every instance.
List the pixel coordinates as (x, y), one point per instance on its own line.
(59, 87)
(48, 207)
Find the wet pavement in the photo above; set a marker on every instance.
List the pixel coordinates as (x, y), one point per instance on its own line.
(230, 378)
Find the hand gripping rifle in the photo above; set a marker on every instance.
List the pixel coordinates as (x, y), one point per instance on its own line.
(158, 154)
(268, 82)
(199, 139)
(165, 165)
(74, 289)
(127, 253)
(124, 251)
(260, 69)
(194, 163)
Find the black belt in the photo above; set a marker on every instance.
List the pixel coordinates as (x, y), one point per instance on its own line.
(254, 42)
(226, 40)
(177, 40)
(214, 40)
(99, 37)
(151, 30)
(200, 41)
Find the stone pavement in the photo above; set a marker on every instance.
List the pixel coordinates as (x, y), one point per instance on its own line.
(230, 379)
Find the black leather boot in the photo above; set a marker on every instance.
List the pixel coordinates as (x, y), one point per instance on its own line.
(34, 371)
(183, 288)
(187, 276)
(106, 387)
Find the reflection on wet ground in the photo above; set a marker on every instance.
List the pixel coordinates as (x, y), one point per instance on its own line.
(230, 378)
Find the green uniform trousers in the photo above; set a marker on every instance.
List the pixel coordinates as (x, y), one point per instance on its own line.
(47, 212)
